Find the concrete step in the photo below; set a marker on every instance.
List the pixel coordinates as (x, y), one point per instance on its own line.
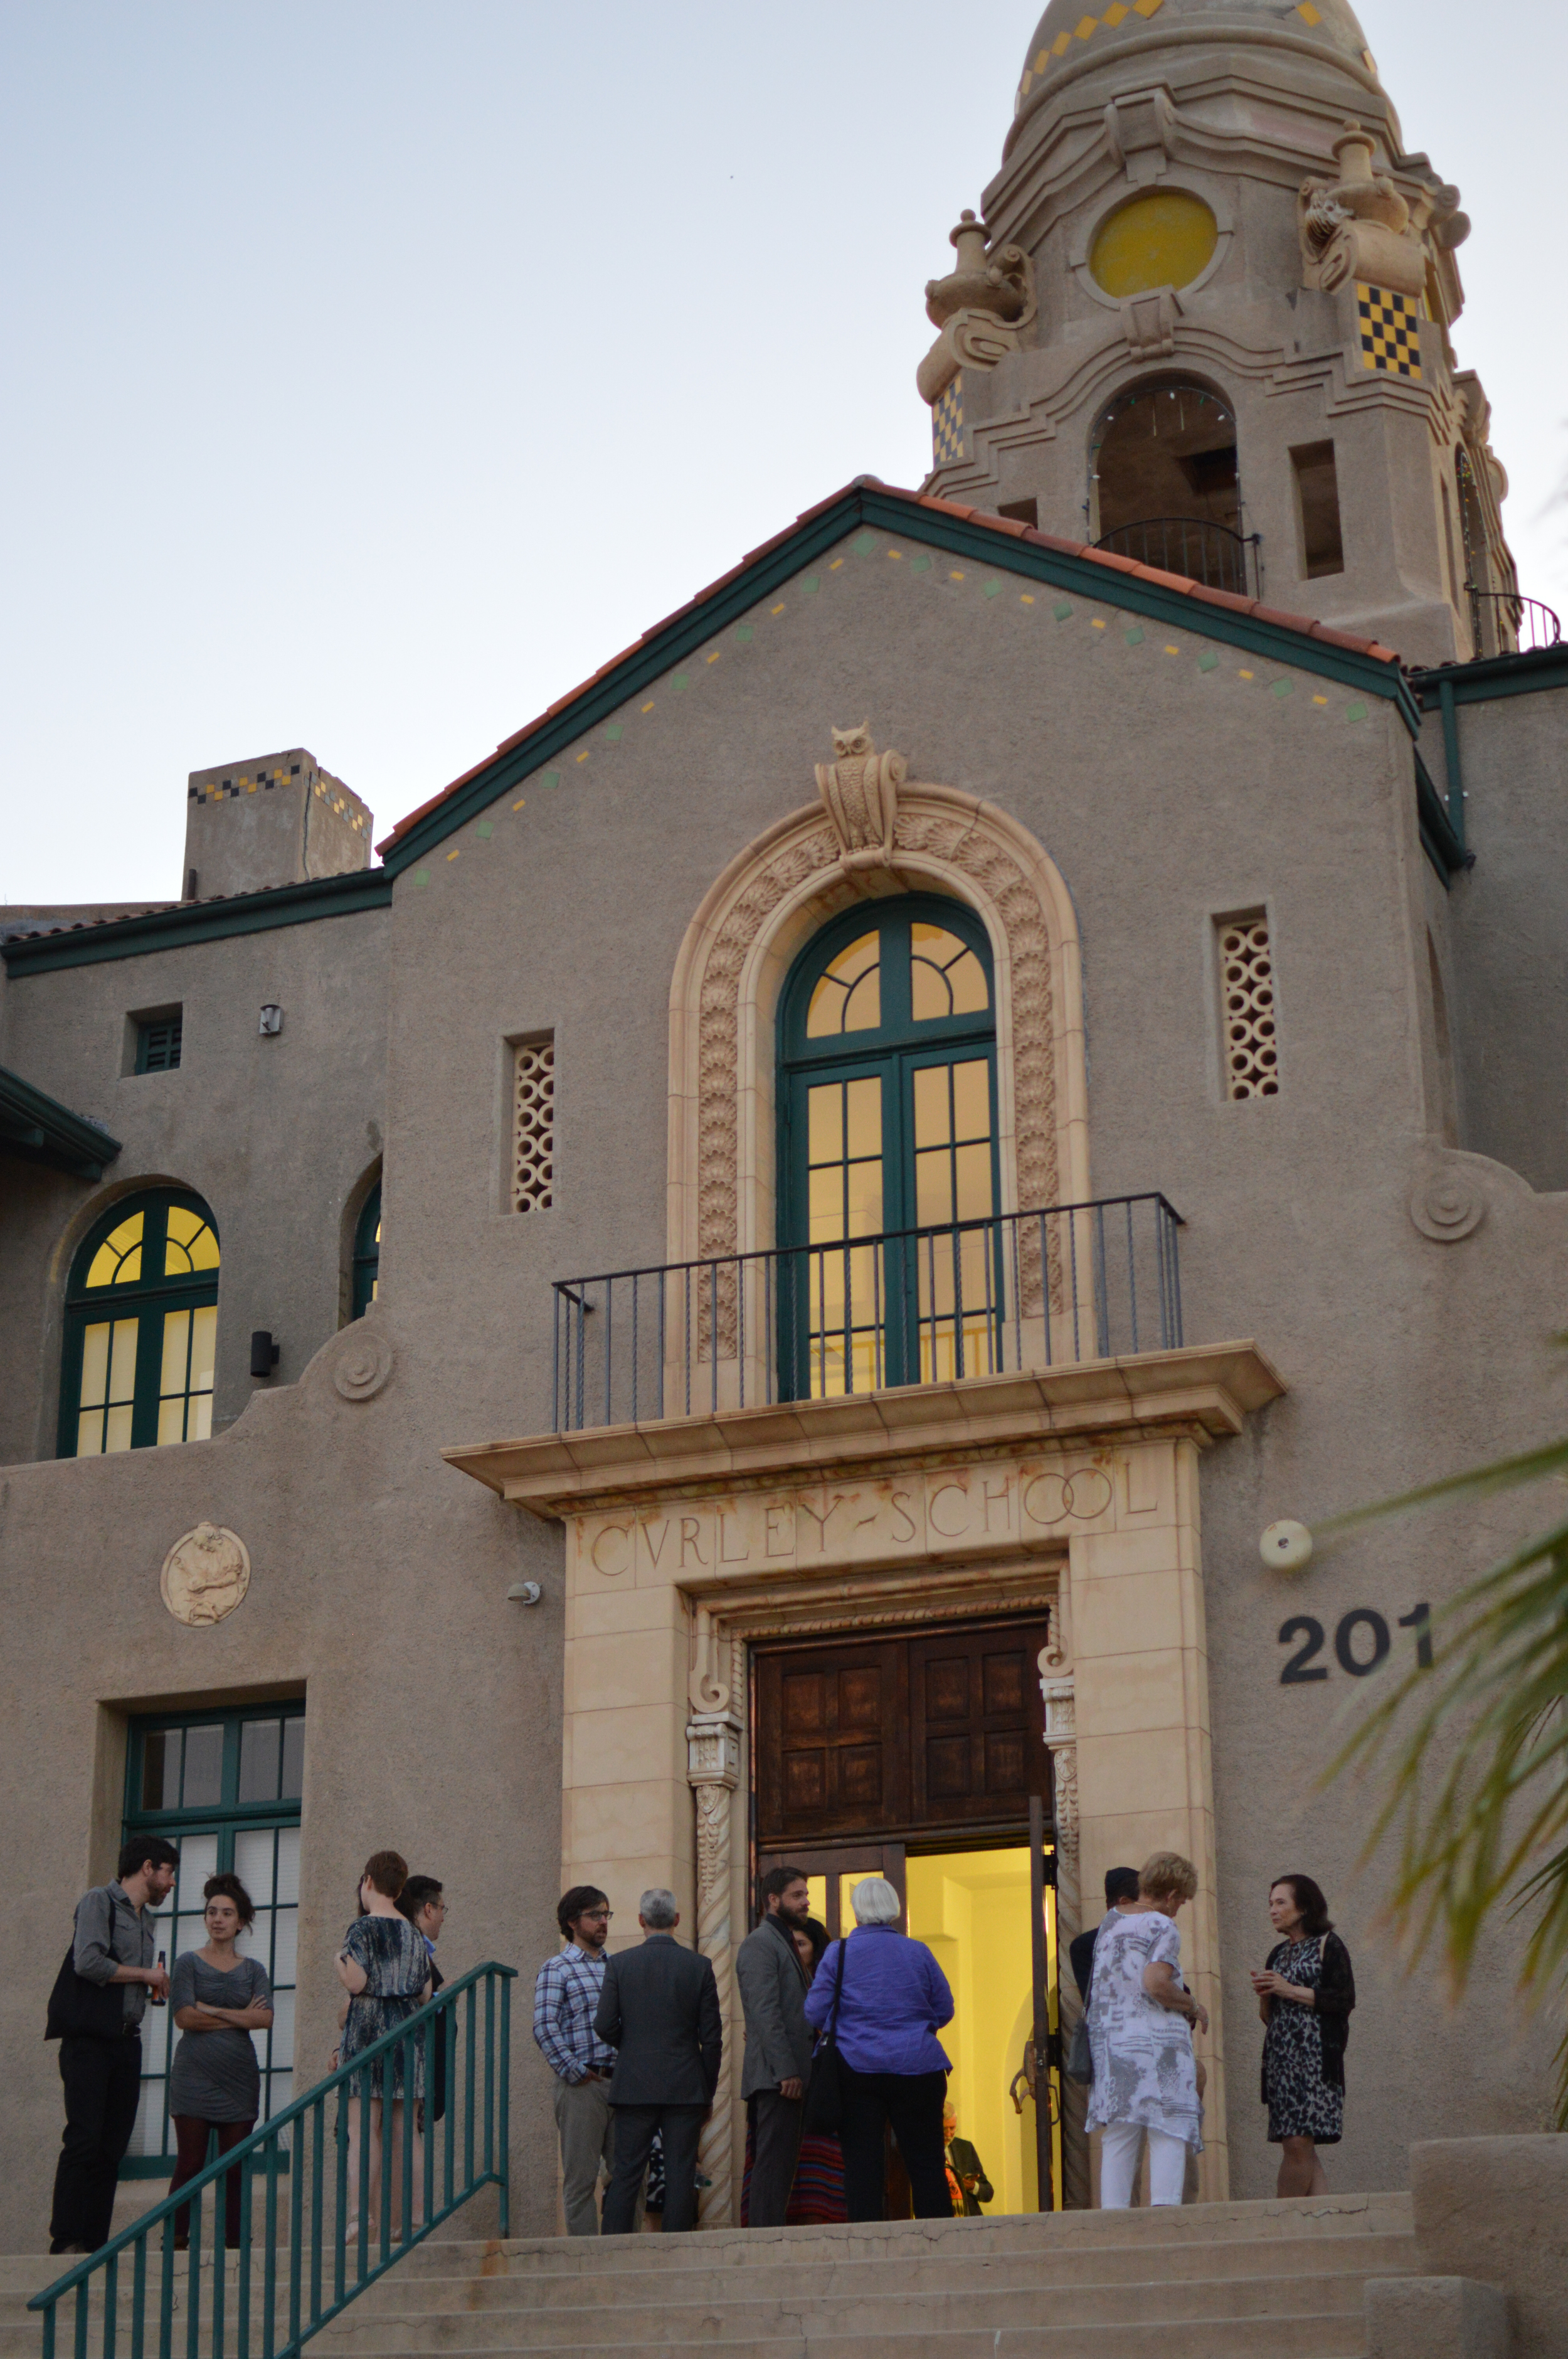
(1312, 2334)
(743, 2318)
(1040, 2236)
(976, 2274)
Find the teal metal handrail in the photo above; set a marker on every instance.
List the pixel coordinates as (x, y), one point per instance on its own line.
(452, 2160)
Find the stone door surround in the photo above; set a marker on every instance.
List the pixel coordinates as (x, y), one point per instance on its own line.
(1074, 1490)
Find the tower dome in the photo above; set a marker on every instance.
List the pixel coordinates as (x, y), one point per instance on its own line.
(1202, 320)
(1069, 34)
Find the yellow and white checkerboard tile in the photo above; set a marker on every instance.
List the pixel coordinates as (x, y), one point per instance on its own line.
(1390, 331)
(948, 424)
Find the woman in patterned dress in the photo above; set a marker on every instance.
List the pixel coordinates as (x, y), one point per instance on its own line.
(1141, 2018)
(1305, 1994)
(385, 1968)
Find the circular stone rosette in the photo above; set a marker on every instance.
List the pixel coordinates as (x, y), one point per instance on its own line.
(1447, 1206)
(363, 1364)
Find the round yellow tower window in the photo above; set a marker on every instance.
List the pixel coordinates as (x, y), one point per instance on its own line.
(1161, 239)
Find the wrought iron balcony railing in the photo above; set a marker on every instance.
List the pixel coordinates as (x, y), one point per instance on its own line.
(1502, 623)
(1193, 546)
(1016, 1291)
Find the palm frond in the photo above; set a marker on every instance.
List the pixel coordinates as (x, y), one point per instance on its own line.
(1472, 1751)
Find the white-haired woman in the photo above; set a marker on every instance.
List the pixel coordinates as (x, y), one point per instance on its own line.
(1141, 2017)
(888, 1998)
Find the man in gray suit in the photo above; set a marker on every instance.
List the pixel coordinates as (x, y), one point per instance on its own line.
(659, 2011)
(773, 1983)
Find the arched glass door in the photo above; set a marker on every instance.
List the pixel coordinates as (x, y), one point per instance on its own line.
(887, 1150)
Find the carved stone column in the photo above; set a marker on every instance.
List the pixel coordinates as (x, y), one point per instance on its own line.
(713, 1772)
(1061, 1743)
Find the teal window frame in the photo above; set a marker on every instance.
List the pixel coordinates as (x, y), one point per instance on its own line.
(146, 1299)
(893, 1051)
(367, 1267)
(228, 1819)
(160, 1041)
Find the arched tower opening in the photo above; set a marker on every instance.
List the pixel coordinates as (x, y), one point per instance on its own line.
(1165, 481)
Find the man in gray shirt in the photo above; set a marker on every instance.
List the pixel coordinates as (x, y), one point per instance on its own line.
(99, 2045)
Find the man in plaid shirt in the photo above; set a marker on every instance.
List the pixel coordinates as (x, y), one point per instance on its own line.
(564, 1999)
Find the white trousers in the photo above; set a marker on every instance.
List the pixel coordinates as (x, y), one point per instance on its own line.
(1118, 2165)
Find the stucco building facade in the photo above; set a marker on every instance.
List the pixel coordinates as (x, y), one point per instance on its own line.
(874, 1236)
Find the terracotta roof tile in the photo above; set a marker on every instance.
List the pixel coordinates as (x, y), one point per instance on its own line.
(1277, 618)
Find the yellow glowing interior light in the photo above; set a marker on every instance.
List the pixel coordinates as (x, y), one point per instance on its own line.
(118, 1260)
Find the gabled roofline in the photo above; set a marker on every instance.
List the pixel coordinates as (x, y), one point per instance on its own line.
(985, 540)
(184, 923)
(40, 1130)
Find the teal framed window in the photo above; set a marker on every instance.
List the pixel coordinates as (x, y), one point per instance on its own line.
(887, 1142)
(224, 1787)
(158, 1040)
(367, 1253)
(141, 1327)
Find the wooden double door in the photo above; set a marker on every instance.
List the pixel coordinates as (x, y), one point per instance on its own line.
(931, 1737)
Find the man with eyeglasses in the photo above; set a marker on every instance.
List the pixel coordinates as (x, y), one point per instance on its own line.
(566, 1997)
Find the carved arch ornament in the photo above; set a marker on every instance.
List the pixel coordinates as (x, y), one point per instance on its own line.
(737, 952)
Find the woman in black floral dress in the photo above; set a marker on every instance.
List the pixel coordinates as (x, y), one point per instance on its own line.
(1305, 1994)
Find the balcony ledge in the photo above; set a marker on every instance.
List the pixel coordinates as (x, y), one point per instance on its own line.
(1205, 1390)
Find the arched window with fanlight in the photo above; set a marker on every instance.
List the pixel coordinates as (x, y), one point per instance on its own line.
(367, 1254)
(888, 1151)
(141, 1327)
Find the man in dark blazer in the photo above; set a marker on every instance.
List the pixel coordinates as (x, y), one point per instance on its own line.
(779, 2040)
(659, 2011)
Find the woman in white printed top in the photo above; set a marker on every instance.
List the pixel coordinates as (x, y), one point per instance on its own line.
(1141, 2020)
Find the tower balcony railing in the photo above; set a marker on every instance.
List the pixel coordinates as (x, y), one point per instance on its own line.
(1014, 1292)
(1502, 623)
(1193, 546)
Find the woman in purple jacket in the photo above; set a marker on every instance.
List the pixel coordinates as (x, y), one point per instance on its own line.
(894, 2001)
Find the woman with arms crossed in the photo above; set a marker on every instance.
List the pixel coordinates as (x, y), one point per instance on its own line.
(217, 2000)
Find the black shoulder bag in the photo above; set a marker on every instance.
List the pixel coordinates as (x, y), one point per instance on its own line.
(83, 2010)
(824, 2090)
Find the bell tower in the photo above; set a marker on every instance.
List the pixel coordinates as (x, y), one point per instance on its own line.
(1205, 323)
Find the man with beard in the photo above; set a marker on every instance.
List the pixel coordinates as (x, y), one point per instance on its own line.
(774, 1985)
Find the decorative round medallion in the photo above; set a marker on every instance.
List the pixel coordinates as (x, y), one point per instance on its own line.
(205, 1575)
(1163, 239)
(363, 1362)
(1446, 1206)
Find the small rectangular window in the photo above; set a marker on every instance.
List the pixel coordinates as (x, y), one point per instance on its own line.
(533, 1159)
(1317, 505)
(1251, 1048)
(158, 1041)
(1021, 511)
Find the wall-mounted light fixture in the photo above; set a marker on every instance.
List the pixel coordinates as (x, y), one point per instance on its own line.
(524, 1593)
(264, 1352)
(271, 1019)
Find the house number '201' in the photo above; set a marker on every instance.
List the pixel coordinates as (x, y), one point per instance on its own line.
(1361, 1644)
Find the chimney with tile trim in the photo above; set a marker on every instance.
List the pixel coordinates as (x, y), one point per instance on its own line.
(277, 819)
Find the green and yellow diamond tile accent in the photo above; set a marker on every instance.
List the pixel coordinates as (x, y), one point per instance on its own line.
(912, 563)
(948, 424)
(1390, 331)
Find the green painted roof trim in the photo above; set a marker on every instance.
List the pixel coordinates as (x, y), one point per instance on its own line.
(865, 507)
(200, 922)
(1493, 676)
(1438, 839)
(40, 1130)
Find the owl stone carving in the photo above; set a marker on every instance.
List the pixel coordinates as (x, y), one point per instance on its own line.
(859, 793)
